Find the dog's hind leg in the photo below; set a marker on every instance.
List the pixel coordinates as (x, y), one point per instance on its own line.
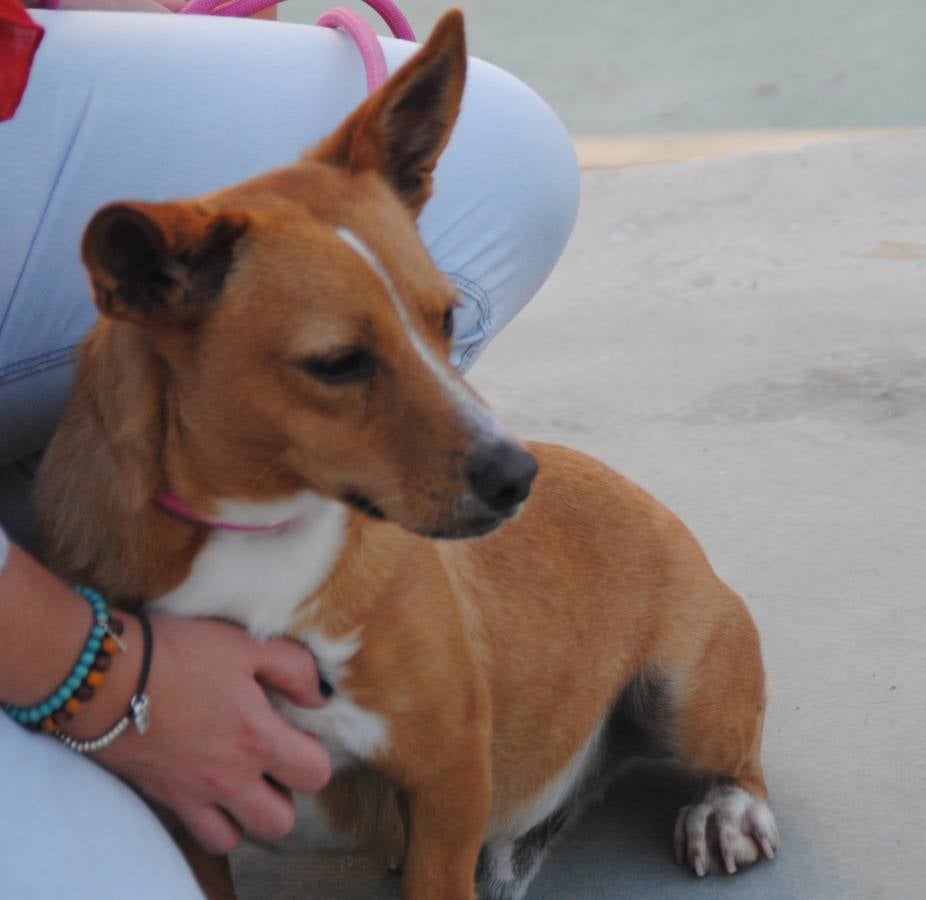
(507, 866)
(716, 729)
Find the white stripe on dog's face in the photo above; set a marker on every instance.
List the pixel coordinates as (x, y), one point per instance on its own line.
(481, 422)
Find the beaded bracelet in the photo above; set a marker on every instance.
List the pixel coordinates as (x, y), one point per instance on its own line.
(137, 714)
(87, 673)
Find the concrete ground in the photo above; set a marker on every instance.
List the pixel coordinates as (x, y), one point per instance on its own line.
(666, 66)
(747, 339)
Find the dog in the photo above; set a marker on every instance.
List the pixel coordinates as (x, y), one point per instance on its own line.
(265, 428)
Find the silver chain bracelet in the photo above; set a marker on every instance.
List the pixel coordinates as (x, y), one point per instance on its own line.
(137, 715)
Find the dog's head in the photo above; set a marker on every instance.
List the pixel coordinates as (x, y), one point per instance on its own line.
(302, 332)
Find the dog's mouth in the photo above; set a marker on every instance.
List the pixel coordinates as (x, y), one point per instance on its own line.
(364, 505)
(477, 525)
(469, 530)
(473, 526)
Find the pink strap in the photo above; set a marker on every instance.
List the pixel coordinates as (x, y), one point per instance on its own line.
(240, 8)
(365, 38)
(392, 16)
(352, 23)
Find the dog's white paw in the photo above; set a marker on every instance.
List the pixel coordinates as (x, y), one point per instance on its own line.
(728, 828)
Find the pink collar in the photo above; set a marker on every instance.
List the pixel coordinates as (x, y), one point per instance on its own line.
(179, 508)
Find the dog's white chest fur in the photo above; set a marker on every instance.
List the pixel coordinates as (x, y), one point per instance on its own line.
(259, 579)
(347, 730)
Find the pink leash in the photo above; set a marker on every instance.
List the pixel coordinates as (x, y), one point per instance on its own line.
(357, 28)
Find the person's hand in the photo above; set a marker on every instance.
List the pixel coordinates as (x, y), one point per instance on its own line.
(217, 753)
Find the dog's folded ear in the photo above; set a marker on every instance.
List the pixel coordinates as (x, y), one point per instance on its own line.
(159, 263)
(403, 128)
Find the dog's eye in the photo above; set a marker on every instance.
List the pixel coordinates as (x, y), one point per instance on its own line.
(447, 324)
(341, 368)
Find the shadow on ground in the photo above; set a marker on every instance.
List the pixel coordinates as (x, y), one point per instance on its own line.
(633, 822)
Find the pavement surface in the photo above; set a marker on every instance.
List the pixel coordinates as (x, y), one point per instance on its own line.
(657, 66)
(746, 338)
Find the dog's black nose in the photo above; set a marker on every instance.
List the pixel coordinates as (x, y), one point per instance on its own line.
(501, 475)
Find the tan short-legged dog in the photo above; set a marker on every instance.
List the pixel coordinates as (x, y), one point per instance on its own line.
(265, 428)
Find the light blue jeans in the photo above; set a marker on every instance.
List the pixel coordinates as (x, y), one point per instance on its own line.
(129, 106)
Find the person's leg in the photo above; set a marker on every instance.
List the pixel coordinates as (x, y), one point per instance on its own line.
(155, 107)
(505, 202)
(68, 829)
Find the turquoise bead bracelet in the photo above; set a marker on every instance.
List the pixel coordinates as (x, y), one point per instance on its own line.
(33, 715)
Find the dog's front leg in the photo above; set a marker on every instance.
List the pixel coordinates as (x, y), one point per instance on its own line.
(447, 823)
(213, 873)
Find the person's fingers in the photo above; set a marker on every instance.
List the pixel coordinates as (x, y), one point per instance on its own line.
(212, 827)
(299, 763)
(289, 668)
(264, 811)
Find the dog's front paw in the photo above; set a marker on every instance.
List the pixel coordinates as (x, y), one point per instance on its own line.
(728, 828)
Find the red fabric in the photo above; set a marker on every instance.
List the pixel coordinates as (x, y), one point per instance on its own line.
(19, 39)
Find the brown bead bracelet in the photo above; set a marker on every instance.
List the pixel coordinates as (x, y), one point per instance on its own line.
(111, 645)
(139, 703)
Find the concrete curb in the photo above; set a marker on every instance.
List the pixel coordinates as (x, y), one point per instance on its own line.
(598, 151)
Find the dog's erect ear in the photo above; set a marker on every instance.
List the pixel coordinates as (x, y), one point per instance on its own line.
(159, 263)
(402, 129)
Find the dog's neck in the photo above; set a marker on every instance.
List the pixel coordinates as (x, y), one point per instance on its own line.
(181, 508)
(263, 578)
